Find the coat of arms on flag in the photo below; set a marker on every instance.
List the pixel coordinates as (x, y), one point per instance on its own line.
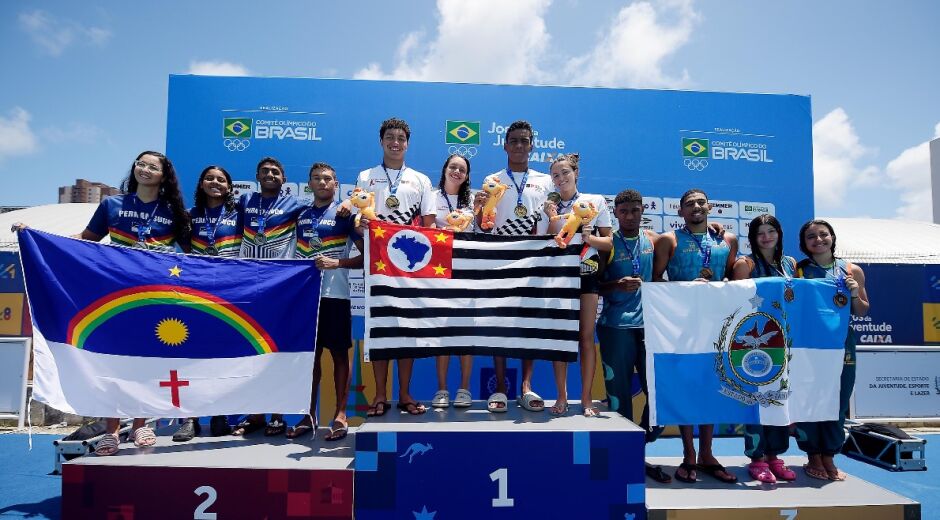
(123, 332)
(763, 351)
(434, 292)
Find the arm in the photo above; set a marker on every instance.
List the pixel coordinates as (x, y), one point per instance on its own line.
(732, 254)
(428, 221)
(551, 211)
(663, 250)
(855, 282)
(742, 269)
(604, 241)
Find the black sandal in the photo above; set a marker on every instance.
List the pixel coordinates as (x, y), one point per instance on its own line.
(689, 468)
(714, 469)
(246, 427)
(656, 473)
(275, 427)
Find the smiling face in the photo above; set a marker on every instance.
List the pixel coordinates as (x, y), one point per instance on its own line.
(767, 237)
(394, 145)
(148, 170)
(818, 240)
(271, 177)
(695, 208)
(565, 177)
(455, 174)
(215, 185)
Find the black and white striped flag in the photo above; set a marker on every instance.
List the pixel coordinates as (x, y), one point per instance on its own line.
(432, 292)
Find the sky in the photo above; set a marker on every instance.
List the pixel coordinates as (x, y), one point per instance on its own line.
(85, 83)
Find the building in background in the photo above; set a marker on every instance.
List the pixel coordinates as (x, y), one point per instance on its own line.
(86, 191)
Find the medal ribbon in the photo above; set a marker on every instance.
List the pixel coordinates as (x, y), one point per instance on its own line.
(519, 187)
(704, 246)
(212, 226)
(393, 186)
(562, 206)
(143, 231)
(632, 253)
(263, 214)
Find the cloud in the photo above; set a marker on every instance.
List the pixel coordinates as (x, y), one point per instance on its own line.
(216, 68)
(471, 44)
(481, 41)
(631, 51)
(55, 35)
(910, 173)
(81, 133)
(837, 154)
(16, 136)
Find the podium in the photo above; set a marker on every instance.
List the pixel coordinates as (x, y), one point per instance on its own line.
(470, 463)
(213, 478)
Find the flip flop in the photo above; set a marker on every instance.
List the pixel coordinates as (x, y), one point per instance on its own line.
(412, 407)
(497, 403)
(689, 468)
(525, 400)
(656, 473)
(374, 409)
(714, 469)
(838, 475)
(298, 430)
(247, 426)
(558, 410)
(337, 434)
(275, 428)
(816, 473)
(590, 411)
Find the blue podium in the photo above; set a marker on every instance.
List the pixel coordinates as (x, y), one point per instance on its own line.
(470, 463)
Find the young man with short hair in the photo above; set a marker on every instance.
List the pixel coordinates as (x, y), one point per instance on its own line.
(695, 253)
(328, 238)
(620, 327)
(519, 212)
(402, 195)
(269, 221)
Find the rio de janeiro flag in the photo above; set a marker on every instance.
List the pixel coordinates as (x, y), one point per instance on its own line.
(122, 332)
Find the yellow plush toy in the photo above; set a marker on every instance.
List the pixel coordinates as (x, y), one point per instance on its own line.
(365, 201)
(495, 190)
(458, 221)
(581, 214)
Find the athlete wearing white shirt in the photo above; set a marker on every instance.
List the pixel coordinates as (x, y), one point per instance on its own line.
(401, 194)
(597, 235)
(519, 212)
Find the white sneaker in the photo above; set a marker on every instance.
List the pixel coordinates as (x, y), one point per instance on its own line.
(441, 399)
(463, 399)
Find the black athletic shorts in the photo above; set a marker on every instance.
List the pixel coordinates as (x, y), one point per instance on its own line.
(334, 324)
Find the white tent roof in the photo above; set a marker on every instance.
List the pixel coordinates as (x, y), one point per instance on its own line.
(883, 241)
(61, 219)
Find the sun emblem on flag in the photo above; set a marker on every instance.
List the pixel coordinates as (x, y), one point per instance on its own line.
(172, 331)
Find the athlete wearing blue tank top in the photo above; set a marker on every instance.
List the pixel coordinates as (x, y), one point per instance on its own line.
(763, 443)
(823, 440)
(695, 253)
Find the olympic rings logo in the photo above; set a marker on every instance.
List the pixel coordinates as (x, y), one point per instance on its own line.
(463, 151)
(695, 164)
(236, 145)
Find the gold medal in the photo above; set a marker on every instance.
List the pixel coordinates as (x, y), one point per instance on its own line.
(392, 202)
(521, 211)
(840, 299)
(260, 239)
(706, 273)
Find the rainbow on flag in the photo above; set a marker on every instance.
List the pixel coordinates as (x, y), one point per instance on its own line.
(121, 332)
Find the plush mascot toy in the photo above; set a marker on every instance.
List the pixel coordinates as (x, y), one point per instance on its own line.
(365, 201)
(495, 190)
(458, 221)
(581, 214)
